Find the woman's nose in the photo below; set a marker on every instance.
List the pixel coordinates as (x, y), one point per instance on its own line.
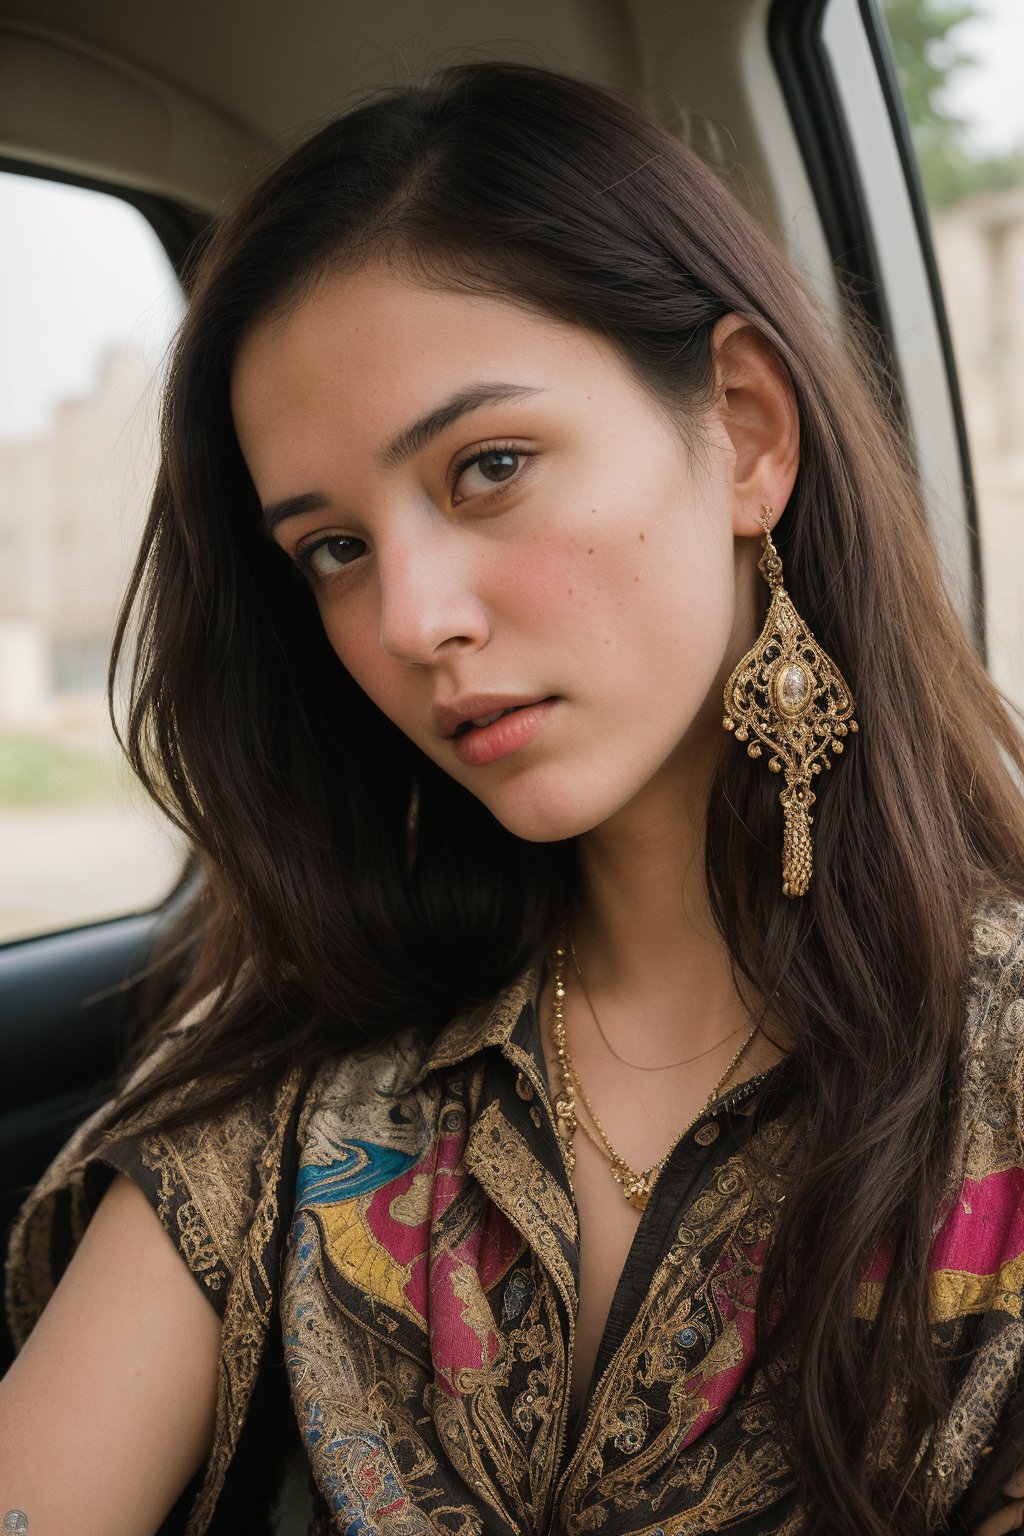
(428, 601)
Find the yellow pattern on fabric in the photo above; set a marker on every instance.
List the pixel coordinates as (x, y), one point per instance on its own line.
(360, 1258)
(955, 1293)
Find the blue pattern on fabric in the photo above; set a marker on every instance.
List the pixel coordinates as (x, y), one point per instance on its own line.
(363, 1168)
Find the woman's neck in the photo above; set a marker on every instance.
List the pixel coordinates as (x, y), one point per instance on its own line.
(654, 966)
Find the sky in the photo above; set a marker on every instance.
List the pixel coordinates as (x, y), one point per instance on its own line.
(81, 273)
(989, 95)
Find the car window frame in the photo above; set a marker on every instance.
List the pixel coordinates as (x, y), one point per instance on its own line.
(181, 230)
(805, 70)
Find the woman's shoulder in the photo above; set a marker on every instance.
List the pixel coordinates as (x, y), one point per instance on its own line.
(396, 1066)
(995, 933)
(220, 1180)
(208, 1179)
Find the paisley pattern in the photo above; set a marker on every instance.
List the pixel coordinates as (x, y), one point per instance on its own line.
(393, 1250)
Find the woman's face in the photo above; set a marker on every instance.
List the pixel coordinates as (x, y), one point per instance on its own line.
(494, 515)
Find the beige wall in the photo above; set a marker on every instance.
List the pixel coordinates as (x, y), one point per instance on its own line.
(979, 244)
(72, 507)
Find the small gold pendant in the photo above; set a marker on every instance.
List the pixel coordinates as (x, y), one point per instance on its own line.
(637, 1189)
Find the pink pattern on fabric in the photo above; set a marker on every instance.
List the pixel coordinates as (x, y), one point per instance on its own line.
(734, 1289)
(444, 1281)
(985, 1229)
(982, 1231)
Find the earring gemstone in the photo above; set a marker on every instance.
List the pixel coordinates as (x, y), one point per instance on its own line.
(793, 689)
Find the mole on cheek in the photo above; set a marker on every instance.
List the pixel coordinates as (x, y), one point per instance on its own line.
(643, 537)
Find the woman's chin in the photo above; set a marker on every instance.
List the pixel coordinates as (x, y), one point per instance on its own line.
(546, 819)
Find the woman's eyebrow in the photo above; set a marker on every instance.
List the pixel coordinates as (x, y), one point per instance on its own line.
(412, 439)
(409, 441)
(292, 506)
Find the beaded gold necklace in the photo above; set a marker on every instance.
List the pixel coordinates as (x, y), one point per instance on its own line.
(635, 1186)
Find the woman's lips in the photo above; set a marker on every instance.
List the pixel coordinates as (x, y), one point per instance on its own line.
(483, 744)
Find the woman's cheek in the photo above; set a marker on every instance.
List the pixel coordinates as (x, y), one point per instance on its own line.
(581, 568)
(355, 639)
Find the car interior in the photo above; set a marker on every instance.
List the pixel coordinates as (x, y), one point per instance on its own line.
(174, 108)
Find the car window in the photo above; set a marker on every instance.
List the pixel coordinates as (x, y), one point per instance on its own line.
(959, 68)
(88, 303)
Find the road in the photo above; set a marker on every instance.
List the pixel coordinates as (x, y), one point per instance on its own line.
(66, 865)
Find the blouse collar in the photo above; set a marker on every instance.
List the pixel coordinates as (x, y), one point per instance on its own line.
(490, 1024)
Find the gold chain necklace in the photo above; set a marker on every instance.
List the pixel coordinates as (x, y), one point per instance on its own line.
(635, 1186)
(635, 1065)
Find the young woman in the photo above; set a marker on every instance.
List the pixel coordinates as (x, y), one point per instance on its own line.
(592, 1097)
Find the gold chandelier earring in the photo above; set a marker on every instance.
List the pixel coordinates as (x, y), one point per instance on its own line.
(787, 695)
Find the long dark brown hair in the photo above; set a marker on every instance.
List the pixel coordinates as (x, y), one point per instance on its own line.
(312, 930)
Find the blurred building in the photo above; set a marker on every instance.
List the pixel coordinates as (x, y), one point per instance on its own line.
(72, 508)
(979, 243)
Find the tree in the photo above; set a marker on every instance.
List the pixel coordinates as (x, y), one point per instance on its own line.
(927, 55)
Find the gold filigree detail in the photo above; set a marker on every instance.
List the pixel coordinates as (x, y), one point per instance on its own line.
(788, 696)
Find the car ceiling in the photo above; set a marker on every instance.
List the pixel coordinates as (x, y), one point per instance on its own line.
(187, 100)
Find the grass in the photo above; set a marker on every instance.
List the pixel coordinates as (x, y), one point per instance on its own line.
(37, 770)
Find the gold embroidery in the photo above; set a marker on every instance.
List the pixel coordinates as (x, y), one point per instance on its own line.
(250, 1299)
(470, 1442)
(993, 1049)
(682, 1300)
(412, 1207)
(510, 1174)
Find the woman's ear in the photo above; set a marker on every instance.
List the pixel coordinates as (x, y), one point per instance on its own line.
(756, 407)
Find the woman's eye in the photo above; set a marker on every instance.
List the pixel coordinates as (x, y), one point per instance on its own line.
(327, 556)
(486, 470)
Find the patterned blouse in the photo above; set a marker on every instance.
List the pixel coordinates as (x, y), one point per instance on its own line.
(394, 1255)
